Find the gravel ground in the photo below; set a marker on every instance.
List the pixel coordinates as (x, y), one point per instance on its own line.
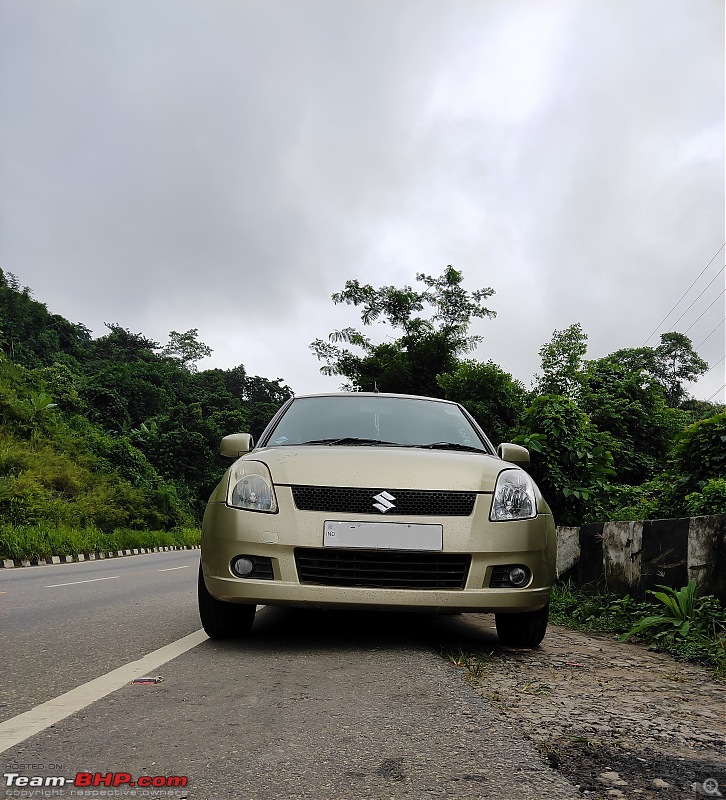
(617, 719)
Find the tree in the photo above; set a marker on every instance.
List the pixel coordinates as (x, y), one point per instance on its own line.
(701, 409)
(629, 407)
(677, 363)
(489, 394)
(694, 481)
(138, 421)
(425, 347)
(62, 383)
(124, 393)
(262, 398)
(186, 349)
(635, 359)
(33, 337)
(700, 452)
(672, 363)
(563, 362)
(122, 345)
(569, 460)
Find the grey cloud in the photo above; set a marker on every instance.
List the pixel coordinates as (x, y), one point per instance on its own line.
(227, 166)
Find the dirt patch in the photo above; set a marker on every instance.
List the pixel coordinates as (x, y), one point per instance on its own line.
(600, 770)
(616, 718)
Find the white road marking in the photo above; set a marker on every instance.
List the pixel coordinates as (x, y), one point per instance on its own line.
(73, 583)
(169, 569)
(18, 729)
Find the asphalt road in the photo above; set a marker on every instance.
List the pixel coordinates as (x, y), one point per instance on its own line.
(65, 624)
(320, 705)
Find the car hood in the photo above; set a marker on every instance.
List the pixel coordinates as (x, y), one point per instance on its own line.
(381, 467)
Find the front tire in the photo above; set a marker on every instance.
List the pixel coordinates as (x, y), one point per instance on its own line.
(222, 620)
(526, 629)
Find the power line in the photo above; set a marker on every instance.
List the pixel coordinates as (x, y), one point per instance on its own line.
(684, 294)
(712, 332)
(693, 323)
(715, 393)
(711, 367)
(701, 377)
(699, 297)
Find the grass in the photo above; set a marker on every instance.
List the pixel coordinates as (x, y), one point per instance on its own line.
(46, 539)
(472, 665)
(694, 630)
(533, 687)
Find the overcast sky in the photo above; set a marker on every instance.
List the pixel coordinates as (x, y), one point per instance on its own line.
(228, 165)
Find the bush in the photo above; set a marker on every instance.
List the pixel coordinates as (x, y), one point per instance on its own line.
(710, 500)
(636, 502)
(569, 462)
(687, 626)
(594, 611)
(693, 485)
(701, 450)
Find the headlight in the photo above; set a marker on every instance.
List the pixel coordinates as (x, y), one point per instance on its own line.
(513, 497)
(250, 487)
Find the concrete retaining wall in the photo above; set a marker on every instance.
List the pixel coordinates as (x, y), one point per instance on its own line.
(631, 557)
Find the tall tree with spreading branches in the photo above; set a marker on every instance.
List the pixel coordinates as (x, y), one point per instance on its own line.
(426, 346)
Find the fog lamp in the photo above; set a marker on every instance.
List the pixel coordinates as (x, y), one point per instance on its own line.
(518, 576)
(243, 566)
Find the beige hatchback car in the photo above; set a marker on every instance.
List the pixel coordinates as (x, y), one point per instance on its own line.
(376, 501)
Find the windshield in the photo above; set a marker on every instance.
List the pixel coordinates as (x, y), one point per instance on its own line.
(374, 420)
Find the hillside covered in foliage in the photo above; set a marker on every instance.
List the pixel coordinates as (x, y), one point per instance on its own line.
(115, 432)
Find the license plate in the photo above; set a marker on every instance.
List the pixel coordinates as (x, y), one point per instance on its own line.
(384, 535)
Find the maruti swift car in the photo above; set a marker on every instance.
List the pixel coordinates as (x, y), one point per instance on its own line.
(370, 501)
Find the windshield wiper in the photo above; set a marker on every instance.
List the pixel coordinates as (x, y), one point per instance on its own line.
(350, 440)
(450, 446)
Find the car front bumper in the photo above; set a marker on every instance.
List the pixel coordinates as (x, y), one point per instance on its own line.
(228, 532)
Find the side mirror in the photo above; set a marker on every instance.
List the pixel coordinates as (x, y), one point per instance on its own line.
(236, 445)
(514, 453)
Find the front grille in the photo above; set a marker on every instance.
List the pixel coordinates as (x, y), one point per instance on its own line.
(386, 569)
(411, 502)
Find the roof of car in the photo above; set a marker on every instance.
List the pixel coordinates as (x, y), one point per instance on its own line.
(374, 394)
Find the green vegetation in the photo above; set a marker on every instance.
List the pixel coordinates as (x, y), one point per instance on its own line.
(692, 481)
(678, 614)
(572, 464)
(473, 665)
(120, 433)
(425, 347)
(680, 623)
(47, 539)
(616, 441)
(489, 394)
(611, 438)
(689, 627)
(107, 440)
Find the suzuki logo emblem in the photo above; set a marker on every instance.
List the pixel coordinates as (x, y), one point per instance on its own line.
(384, 502)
